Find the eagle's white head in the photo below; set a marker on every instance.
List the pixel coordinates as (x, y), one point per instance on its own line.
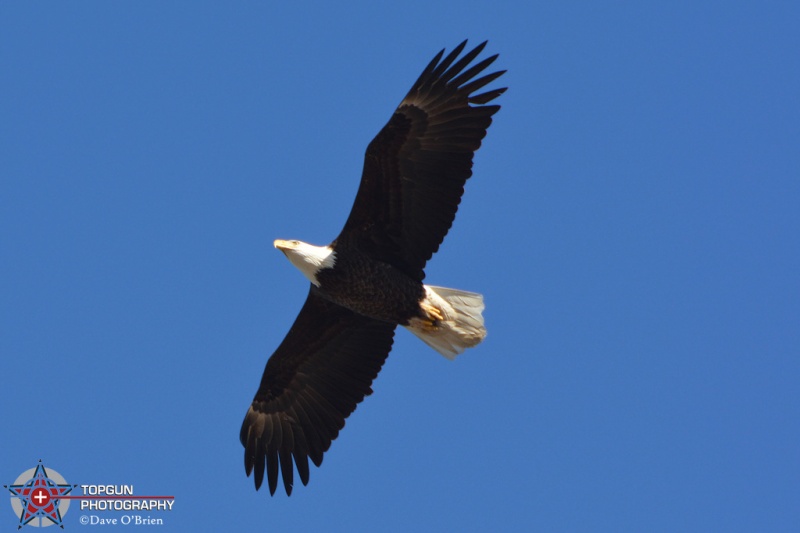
(308, 258)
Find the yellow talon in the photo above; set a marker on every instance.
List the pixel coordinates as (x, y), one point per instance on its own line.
(432, 316)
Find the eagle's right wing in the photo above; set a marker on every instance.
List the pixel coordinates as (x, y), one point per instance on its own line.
(314, 380)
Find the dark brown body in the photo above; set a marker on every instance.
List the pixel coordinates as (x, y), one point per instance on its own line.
(371, 288)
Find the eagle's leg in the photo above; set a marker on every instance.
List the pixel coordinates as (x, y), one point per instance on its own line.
(431, 316)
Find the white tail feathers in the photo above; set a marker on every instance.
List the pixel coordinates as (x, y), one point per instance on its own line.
(453, 320)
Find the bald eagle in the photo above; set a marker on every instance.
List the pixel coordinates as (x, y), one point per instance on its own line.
(369, 279)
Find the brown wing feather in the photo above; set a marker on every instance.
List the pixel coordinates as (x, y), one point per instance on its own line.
(314, 380)
(416, 167)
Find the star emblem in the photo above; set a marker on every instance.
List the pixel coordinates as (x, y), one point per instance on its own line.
(40, 497)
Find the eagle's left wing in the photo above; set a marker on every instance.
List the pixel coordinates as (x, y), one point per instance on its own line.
(416, 167)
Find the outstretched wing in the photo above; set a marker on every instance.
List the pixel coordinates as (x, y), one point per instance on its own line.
(314, 380)
(416, 167)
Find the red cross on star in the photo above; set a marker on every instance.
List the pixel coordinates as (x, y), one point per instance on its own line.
(40, 497)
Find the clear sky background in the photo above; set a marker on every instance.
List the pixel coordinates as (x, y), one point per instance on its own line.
(633, 223)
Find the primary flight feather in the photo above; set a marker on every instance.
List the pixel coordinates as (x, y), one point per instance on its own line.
(369, 279)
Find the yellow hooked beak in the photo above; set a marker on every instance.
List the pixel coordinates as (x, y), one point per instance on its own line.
(282, 245)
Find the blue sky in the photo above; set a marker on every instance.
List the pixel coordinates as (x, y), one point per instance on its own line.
(632, 222)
